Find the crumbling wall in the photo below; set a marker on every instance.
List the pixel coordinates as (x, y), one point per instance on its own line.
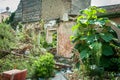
(28, 11)
(54, 9)
(34, 10)
(18, 12)
(31, 10)
(37, 26)
(49, 35)
(116, 20)
(64, 44)
(77, 5)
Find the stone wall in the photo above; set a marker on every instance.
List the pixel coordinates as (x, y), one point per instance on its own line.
(18, 12)
(31, 10)
(53, 9)
(37, 26)
(28, 11)
(34, 10)
(77, 5)
(49, 34)
(117, 20)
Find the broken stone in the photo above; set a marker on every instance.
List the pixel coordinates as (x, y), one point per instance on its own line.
(65, 17)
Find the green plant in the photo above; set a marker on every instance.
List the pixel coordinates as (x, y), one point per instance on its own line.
(54, 43)
(10, 19)
(44, 66)
(112, 64)
(7, 38)
(17, 40)
(14, 62)
(93, 38)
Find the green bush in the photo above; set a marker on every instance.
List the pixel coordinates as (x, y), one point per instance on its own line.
(11, 62)
(7, 37)
(44, 66)
(95, 39)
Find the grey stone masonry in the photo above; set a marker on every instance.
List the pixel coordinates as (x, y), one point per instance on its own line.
(18, 12)
(28, 11)
(34, 10)
(78, 5)
(31, 10)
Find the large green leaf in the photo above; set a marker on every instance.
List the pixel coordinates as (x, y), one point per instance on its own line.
(107, 50)
(106, 36)
(96, 46)
(83, 38)
(92, 38)
(75, 27)
(91, 21)
(84, 53)
(101, 21)
(101, 10)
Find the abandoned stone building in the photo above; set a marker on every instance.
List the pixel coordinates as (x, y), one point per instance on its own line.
(34, 10)
(30, 12)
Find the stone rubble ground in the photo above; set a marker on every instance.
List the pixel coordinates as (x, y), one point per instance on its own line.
(59, 76)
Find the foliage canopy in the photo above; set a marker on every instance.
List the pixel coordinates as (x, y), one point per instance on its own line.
(94, 38)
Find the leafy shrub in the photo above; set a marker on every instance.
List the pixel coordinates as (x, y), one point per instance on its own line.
(111, 64)
(44, 66)
(10, 19)
(94, 38)
(14, 62)
(7, 37)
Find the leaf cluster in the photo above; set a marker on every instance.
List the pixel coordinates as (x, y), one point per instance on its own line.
(44, 66)
(93, 36)
(7, 38)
